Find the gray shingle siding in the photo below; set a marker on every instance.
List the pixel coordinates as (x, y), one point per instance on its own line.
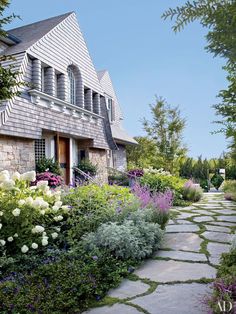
(59, 48)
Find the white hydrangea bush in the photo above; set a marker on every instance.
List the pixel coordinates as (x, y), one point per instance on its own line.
(160, 171)
(30, 216)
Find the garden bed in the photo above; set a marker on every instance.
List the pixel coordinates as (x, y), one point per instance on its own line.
(61, 251)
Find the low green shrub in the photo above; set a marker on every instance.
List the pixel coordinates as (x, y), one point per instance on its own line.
(130, 240)
(93, 205)
(152, 215)
(118, 179)
(205, 185)
(48, 164)
(192, 192)
(224, 287)
(161, 183)
(67, 285)
(88, 167)
(229, 188)
(217, 180)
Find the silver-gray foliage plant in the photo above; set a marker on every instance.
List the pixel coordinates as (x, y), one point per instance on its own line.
(132, 239)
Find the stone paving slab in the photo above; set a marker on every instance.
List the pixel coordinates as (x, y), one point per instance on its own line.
(182, 241)
(182, 228)
(176, 299)
(183, 222)
(170, 271)
(204, 212)
(211, 206)
(186, 215)
(226, 212)
(215, 250)
(203, 219)
(217, 228)
(217, 236)
(129, 289)
(114, 309)
(180, 255)
(223, 223)
(227, 218)
(185, 263)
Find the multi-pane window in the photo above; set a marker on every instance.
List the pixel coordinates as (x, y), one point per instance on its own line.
(71, 87)
(110, 109)
(39, 148)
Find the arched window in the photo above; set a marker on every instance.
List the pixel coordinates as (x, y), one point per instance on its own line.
(71, 86)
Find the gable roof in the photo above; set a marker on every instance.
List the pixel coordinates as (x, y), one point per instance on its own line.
(31, 33)
(101, 74)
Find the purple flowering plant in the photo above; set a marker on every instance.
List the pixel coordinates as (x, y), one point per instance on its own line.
(135, 173)
(160, 202)
(54, 180)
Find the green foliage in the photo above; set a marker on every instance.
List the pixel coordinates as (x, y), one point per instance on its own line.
(48, 164)
(93, 205)
(151, 214)
(144, 155)
(117, 178)
(165, 130)
(219, 17)
(196, 169)
(161, 183)
(9, 78)
(205, 185)
(30, 218)
(67, 285)
(224, 286)
(192, 193)
(88, 167)
(229, 188)
(217, 180)
(130, 240)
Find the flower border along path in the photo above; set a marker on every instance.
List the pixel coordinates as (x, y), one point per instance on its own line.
(178, 277)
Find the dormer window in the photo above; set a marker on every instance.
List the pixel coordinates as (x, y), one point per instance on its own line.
(71, 87)
(110, 109)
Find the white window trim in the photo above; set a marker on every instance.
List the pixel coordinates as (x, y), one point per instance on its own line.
(71, 87)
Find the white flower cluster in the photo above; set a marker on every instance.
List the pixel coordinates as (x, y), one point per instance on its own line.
(160, 171)
(39, 198)
(8, 182)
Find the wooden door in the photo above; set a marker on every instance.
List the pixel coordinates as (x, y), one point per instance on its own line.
(64, 158)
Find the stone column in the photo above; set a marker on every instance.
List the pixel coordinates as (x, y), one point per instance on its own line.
(62, 85)
(49, 81)
(36, 74)
(96, 104)
(88, 99)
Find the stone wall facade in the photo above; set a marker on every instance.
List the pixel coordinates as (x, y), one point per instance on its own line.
(119, 158)
(16, 154)
(99, 157)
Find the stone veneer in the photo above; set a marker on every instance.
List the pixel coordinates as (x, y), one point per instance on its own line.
(99, 157)
(16, 154)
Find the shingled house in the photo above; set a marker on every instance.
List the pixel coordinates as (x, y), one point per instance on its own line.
(69, 111)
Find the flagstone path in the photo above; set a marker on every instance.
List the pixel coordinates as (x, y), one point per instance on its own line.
(176, 280)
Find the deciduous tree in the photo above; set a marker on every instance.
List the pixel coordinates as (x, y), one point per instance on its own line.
(219, 16)
(9, 78)
(165, 130)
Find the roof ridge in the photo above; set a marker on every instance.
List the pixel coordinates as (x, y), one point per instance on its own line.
(50, 18)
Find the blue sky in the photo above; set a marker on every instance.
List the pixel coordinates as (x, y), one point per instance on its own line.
(145, 58)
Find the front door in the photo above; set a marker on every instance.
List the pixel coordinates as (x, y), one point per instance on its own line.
(64, 158)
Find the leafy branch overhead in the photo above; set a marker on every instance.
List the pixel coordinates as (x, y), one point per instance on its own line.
(9, 77)
(219, 16)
